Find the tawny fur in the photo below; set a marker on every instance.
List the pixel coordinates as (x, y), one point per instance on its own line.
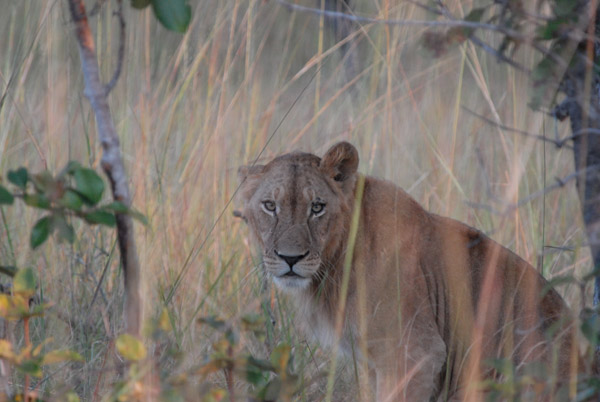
(440, 297)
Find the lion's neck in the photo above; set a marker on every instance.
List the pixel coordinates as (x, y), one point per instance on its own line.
(322, 297)
(317, 309)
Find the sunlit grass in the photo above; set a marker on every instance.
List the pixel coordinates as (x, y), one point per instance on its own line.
(191, 108)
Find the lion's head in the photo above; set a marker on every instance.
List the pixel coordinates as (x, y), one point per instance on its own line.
(298, 208)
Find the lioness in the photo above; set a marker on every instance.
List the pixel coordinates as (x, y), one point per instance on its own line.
(437, 298)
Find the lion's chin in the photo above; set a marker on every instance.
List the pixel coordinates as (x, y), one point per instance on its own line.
(291, 283)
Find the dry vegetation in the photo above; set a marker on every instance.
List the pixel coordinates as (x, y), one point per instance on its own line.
(251, 79)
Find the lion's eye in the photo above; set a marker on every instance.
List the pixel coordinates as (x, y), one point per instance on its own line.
(317, 208)
(269, 206)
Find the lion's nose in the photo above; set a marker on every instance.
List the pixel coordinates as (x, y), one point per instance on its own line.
(291, 259)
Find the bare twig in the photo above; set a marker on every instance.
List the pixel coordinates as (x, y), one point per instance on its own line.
(557, 143)
(478, 42)
(559, 182)
(121, 52)
(450, 22)
(112, 163)
(583, 131)
(422, 23)
(27, 345)
(99, 286)
(108, 350)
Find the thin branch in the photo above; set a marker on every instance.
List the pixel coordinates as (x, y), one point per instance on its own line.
(112, 164)
(478, 42)
(583, 131)
(557, 143)
(422, 23)
(99, 286)
(443, 11)
(559, 183)
(451, 22)
(121, 53)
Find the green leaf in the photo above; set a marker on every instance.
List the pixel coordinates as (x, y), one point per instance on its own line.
(213, 322)
(253, 375)
(130, 347)
(257, 371)
(475, 14)
(70, 168)
(64, 229)
(6, 350)
(25, 281)
(89, 185)
(140, 217)
(564, 8)
(171, 395)
(71, 200)
(37, 310)
(280, 356)
(140, 4)
(58, 356)
(43, 181)
(164, 322)
(174, 15)
(100, 217)
(41, 231)
(18, 177)
(8, 270)
(37, 200)
(552, 28)
(71, 396)
(117, 206)
(6, 197)
(31, 367)
(254, 323)
(14, 307)
(261, 364)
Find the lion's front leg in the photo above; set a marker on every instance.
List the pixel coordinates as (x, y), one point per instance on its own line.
(411, 372)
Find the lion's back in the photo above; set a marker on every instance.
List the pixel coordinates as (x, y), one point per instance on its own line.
(505, 309)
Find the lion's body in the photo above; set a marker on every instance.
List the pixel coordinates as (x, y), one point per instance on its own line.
(429, 298)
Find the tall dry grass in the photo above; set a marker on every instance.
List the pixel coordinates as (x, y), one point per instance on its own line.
(252, 79)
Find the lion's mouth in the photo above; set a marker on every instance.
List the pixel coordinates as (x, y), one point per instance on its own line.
(290, 281)
(291, 274)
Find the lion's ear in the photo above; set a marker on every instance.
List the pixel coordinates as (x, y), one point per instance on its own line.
(340, 161)
(249, 170)
(249, 177)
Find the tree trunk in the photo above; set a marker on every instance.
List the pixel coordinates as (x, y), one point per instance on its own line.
(582, 105)
(112, 164)
(581, 85)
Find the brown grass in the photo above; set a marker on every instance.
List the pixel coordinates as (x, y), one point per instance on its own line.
(191, 108)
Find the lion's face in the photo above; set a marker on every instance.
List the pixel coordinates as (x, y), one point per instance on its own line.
(297, 207)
